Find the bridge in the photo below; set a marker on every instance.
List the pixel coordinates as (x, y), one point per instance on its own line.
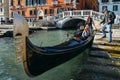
(72, 18)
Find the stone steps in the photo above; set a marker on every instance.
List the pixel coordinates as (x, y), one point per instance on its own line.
(99, 65)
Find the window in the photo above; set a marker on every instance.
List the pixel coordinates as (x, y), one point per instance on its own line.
(11, 14)
(26, 2)
(68, 1)
(105, 0)
(11, 3)
(46, 11)
(58, 10)
(30, 12)
(23, 13)
(30, 20)
(44, 1)
(115, 0)
(69, 9)
(51, 11)
(1, 10)
(63, 9)
(77, 1)
(18, 12)
(32, 2)
(103, 7)
(18, 2)
(39, 1)
(35, 12)
(35, 2)
(29, 2)
(115, 7)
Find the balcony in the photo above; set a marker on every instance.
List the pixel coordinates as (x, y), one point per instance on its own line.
(55, 3)
(18, 6)
(11, 7)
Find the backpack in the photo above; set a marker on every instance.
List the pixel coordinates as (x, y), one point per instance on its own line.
(113, 16)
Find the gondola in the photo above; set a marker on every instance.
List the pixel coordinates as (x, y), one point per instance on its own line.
(37, 60)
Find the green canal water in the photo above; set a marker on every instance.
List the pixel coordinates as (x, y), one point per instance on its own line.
(10, 69)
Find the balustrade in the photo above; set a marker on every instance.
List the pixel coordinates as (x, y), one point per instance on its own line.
(78, 13)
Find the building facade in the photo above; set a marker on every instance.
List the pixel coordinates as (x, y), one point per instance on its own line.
(38, 9)
(4, 9)
(112, 5)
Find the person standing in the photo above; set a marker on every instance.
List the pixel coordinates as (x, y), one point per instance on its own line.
(107, 23)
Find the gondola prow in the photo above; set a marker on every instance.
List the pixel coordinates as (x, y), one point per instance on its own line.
(20, 26)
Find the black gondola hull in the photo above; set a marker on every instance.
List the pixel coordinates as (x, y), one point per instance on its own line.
(39, 62)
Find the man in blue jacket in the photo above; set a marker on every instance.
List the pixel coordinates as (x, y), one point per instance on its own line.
(107, 23)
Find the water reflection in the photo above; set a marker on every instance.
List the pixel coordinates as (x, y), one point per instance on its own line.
(50, 38)
(10, 69)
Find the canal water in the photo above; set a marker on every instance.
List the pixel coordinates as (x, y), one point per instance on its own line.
(11, 69)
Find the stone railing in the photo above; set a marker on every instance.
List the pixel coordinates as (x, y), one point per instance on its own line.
(75, 13)
(79, 13)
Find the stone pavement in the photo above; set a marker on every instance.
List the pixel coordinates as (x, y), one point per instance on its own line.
(100, 67)
(103, 61)
(115, 35)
